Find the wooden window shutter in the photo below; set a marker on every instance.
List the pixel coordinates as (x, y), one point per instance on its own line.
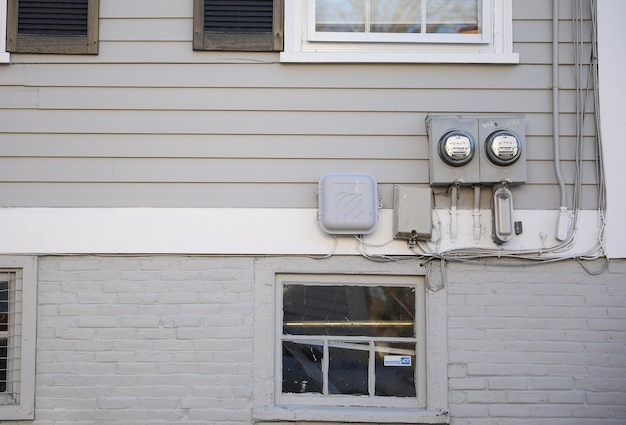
(47, 26)
(248, 25)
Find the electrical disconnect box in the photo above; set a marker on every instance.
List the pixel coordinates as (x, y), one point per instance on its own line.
(476, 149)
(412, 213)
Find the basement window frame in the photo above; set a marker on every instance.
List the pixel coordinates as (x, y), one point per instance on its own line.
(271, 405)
(238, 41)
(303, 44)
(87, 44)
(17, 401)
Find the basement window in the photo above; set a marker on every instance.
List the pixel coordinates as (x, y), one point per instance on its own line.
(352, 341)
(17, 337)
(341, 346)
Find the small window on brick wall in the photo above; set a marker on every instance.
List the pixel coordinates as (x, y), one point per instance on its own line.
(351, 341)
(17, 337)
(63, 27)
(246, 25)
(343, 339)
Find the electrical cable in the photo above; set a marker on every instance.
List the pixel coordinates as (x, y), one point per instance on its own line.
(585, 88)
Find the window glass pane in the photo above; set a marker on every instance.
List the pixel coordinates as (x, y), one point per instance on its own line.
(397, 16)
(452, 16)
(340, 15)
(395, 369)
(302, 368)
(377, 311)
(347, 369)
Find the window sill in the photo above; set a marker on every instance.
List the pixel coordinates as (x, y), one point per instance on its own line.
(5, 57)
(350, 414)
(398, 57)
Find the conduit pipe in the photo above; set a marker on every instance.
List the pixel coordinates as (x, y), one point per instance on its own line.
(454, 220)
(562, 227)
(476, 230)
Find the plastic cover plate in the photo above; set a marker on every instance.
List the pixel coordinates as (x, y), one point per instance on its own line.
(348, 203)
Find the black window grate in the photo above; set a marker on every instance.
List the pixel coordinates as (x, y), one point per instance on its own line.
(10, 335)
(69, 17)
(238, 16)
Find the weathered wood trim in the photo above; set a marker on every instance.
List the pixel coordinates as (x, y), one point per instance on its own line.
(71, 45)
(238, 41)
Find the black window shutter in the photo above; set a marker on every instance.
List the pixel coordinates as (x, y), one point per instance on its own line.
(48, 26)
(254, 25)
(53, 17)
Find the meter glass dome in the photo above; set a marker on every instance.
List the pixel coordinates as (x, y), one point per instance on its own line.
(456, 148)
(503, 148)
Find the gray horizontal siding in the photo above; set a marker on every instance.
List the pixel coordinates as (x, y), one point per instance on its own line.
(287, 76)
(248, 146)
(278, 99)
(150, 122)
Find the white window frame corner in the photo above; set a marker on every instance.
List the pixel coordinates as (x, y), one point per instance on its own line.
(267, 407)
(25, 410)
(496, 46)
(5, 56)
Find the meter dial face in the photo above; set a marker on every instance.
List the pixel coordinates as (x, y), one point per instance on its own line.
(456, 148)
(503, 148)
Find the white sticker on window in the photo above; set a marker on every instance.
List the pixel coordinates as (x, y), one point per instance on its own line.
(397, 361)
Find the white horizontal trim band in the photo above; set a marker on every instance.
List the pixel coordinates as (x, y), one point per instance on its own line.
(240, 231)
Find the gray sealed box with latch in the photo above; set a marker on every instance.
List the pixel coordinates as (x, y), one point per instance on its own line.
(412, 213)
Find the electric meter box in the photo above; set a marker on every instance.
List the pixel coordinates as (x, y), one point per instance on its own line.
(476, 149)
(348, 203)
(453, 146)
(502, 141)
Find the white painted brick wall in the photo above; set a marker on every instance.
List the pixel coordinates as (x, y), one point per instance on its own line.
(144, 340)
(537, 345)
(169, 339)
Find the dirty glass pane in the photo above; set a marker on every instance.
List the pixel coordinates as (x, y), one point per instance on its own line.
(392, 16)
(453, 16)
(395, 16)
(302, 368)
(340, 15)
(395, 370)
(347, 369)
(375, 311)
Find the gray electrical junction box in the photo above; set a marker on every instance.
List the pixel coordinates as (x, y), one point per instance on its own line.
(412, 212)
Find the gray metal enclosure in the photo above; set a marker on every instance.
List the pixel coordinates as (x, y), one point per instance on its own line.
(148, 122)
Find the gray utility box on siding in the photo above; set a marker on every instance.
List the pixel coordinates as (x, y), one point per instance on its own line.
(476, 149)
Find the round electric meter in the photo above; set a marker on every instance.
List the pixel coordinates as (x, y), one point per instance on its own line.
(456, 148)
(503, 147)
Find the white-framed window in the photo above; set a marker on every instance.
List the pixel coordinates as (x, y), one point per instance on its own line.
(17, 337)
(349, 342)
(4, 55)
(409, 31)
